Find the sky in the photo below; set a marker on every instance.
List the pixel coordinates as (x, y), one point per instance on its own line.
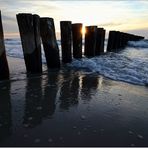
(122, 15)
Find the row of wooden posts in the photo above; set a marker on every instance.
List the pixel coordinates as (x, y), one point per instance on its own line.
(32, 28)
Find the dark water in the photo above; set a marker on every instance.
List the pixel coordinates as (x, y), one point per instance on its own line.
(71, 108)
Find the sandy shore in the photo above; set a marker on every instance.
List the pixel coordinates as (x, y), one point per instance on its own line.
(70, 108)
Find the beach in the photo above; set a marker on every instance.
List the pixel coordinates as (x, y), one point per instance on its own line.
(70, 107)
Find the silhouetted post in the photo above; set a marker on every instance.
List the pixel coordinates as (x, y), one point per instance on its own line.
(124, 40)
(49, 42)
(111, 41)
(4, 69)
(36, 22)
(121, 39)
(66, 41)
(117, 41)
(90, 41)
(29, 27)
(77, 40)
(100, 41)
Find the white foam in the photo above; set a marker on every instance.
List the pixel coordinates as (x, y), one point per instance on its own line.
(116, 66)
(140, 44)
(130, 65)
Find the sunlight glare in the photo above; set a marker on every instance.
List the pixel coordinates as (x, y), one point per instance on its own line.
(83, 31)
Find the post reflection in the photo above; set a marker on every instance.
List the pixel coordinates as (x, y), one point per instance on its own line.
(50, 94)
(69, 91)
(88, 84)
(5, 112)
(40, 99)
(33, 103)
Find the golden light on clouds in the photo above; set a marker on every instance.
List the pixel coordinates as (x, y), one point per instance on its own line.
(111, 15)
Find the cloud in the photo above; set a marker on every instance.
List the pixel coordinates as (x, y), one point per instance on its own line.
(113, 14)
(110, 24)
(8, 18)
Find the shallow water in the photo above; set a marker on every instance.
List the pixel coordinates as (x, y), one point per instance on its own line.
(77, 105)
(129, 65)
(72, 108)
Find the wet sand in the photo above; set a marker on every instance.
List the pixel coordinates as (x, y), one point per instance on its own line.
(71, 108)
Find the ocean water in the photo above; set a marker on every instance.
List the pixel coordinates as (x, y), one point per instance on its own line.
(129, 65)
(76, 105)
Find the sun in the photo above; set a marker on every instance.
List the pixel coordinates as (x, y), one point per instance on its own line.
(83, 31)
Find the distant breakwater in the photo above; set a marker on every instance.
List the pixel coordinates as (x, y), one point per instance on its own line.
(34, 29)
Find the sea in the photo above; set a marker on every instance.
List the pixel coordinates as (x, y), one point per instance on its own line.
(129, 65)
(99, 101)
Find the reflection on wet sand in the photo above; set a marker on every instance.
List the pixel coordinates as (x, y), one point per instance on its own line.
(40, 101)
(69, 91)
(33, 103)
(88, 85)
(5, 112)
(72, 109)
(49, 96)
(65, 88)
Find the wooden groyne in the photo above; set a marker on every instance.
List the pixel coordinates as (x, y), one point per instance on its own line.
(66, 41)
(100, 39)
(50, 45)
(29, 27)
(34, 29)
(77, 40)
(118, 40)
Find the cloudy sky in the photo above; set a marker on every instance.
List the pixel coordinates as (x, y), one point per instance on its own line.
(129, 16)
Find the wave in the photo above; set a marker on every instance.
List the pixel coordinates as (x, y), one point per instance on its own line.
(129, 65)
(116, 67)
(138, 44)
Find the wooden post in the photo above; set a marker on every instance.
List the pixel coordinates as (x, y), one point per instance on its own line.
(66, 41)
(38, 54)
(77, 40)
(122, 38)
(90, 41)
(117, 41)
(111, 41)
(100, 41)
(49, 42)
(4, 69)
(29, 28)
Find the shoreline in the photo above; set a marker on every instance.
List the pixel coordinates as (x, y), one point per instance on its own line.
(71, 108)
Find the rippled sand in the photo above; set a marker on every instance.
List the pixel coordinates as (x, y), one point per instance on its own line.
(71, 108)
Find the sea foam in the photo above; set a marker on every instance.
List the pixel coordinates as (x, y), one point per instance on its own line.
(129, 65)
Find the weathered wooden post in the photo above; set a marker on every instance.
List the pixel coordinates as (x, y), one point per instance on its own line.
(125, 39)
(4, 69)
(77, 40)
(90, 41)
(38, 54)
(49, 42)
(117, 41)
(29, 27)
(66, 41)
(122, 38)
(100, 41)
(111, 41)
